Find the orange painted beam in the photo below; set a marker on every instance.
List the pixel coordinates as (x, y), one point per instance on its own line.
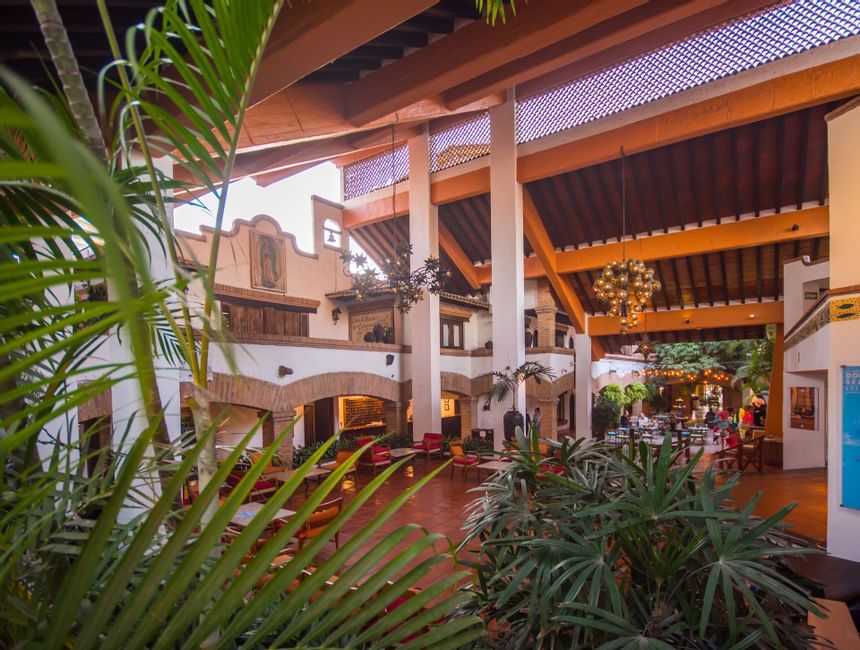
(376, 210)
(308, 35)
(772, 229)
(471, 50)
(752, 313)
(776, 96)
(449, 244)
(541, 243)
(463, 186)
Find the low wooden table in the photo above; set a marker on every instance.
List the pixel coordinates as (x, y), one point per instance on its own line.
(248, 511)
(315, 473)
(493, 466)
(404, 452)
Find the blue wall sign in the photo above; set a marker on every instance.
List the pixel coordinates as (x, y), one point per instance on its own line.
(851, 437)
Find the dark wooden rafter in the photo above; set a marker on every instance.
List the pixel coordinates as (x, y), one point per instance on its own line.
(679, 290)
(777, 272)
(573, 181)
(779, 176)
(759, 274)
(725, 276)
(648, 173)
(706, 260)
(816, 247)
(756, 170)
(570, 220)
(633, 184)
(591, 278)
(740, 273)
(616, 198)
(665, 284)
(736, 175)
(553, 217)
(671, 154)
(605, 232)
(691, 275)
(805, 119)
(583, 293)
(713, 175)
(694, 181)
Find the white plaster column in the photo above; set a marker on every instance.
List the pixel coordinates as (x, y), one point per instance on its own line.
(582, 393)
(506, 234)
(281, 420)
(424, 317)
(843, 137)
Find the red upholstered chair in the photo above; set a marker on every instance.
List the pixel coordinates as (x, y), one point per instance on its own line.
(262, 490)
(377, 456)
(431, 444)
(468, 460)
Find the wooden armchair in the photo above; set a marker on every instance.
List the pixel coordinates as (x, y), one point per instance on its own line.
(255, 456)
(377, 456)
(740, 454)
(342, 458)
(430, 444)
(468, 460)
(318, 520)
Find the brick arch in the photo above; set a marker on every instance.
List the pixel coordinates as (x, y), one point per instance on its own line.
(453, 382)
(256, 393)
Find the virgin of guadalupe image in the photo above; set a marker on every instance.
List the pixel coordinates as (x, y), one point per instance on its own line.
(270, 272)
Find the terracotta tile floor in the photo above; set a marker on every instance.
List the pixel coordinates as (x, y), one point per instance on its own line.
(438, 507)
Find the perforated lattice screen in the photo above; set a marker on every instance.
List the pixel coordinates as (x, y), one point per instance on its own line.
(728, 49)
(720, 52)
(460, 142)
(373, 173)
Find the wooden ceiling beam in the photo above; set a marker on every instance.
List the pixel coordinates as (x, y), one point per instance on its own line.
(693, 319)
(770, 229)
(776, 96)
(464, 265)
(811, 222)
(303, 41)
(541, 243)
(471, 50)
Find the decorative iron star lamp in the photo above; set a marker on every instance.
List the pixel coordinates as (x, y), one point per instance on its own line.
(625, 285)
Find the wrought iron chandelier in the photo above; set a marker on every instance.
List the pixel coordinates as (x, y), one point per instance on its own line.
(645, 347)
(395, 275)
(626, 285)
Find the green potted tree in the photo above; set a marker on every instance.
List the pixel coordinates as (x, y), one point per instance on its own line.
(505, 384)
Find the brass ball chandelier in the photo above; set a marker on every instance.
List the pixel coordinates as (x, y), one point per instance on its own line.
(625, 285)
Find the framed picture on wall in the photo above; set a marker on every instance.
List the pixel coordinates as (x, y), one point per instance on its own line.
(268, 262)
(803, 409)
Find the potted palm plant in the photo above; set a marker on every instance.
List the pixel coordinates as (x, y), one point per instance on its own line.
(505, 384)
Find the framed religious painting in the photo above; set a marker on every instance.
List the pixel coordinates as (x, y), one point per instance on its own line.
(268, 262)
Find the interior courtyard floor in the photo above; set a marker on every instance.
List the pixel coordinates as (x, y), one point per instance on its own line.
(439, 505)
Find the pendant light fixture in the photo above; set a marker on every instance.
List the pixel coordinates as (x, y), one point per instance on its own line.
(625, 285)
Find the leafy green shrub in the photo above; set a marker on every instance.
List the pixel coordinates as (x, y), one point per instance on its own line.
(604, 414)
(624, 550)
(614, 393)
(399, 440)
(634, 392)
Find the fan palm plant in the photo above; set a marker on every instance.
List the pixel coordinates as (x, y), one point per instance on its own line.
(622, 549)
(507, 382)
(110, 561)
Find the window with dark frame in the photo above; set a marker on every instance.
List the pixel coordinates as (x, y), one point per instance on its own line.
(451, 334)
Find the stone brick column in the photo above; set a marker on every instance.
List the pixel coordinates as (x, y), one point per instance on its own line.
(548, 423)
(395, 417)
(468, 407)
(268, 428)
(546, 311)
(281, 420)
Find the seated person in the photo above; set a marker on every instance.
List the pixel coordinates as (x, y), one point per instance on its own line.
(710, 416)
(625, 421)
(643, 420)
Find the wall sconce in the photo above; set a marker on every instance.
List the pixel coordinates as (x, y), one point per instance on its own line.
(335, 315)
(389, 359)
(283, 371)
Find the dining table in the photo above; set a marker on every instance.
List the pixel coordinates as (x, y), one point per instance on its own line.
(247, 511)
